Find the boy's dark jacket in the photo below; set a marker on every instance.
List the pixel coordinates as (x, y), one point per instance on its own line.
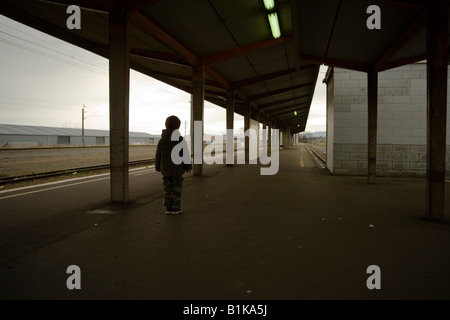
(163, 161)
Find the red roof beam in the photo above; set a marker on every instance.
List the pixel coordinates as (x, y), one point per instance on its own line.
(243, 50)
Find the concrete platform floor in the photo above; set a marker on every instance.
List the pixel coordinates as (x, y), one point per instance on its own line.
(300, 234)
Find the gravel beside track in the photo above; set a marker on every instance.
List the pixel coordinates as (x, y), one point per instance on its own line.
(15, 162)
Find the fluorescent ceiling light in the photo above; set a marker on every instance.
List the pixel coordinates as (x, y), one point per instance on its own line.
(295, 113)
(269, 4)
(274, 25)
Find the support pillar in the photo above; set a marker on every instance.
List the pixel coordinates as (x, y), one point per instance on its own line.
(258, 133)
(289, 137)
(286, 138)
(437, 59)
(197, 111)
(119, 88)
(372, 92)
(281, 137)
(264, 135)
(230, 134)
(247, 115)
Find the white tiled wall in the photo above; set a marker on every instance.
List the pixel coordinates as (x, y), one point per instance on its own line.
(401, 133)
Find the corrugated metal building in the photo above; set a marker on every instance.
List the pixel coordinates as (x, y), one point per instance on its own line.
(26, 136)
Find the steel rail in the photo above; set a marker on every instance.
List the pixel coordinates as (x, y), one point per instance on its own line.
(311, 148)
(56, 173)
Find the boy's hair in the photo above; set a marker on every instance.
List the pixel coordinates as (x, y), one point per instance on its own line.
(173, 123)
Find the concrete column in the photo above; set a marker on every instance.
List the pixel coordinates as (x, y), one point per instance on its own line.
(230, 126)
(258, 140)
(119, 84)
(197, 111)
(288, 138)
(269, 139)
(247, 114)
(372, 92)
(264, 127)
(437, 59)
(281, 137)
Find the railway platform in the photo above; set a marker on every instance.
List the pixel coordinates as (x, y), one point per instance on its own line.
(298, 235)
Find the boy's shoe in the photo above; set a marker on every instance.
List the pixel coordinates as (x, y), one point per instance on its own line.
(169, 211)
(177, 211)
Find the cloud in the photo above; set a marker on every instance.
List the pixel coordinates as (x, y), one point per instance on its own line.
(317, 112)
(55, 79)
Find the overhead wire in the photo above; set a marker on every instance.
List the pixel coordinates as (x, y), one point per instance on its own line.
(58, 43)
(29, 42)
(92, 67)
(58, 51)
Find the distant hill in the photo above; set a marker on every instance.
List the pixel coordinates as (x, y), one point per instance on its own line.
(317, 134)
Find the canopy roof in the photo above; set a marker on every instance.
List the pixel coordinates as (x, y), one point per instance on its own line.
(232, 40)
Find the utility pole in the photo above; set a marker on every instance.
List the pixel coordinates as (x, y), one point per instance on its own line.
(84, 117)
(82, 124)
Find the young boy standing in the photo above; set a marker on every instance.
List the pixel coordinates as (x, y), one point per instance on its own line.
(171, 171)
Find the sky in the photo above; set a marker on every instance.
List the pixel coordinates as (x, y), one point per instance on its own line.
(46, 82)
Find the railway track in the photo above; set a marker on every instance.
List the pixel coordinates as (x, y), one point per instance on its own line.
(34, 176)
(42, 175)
(319, 154)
